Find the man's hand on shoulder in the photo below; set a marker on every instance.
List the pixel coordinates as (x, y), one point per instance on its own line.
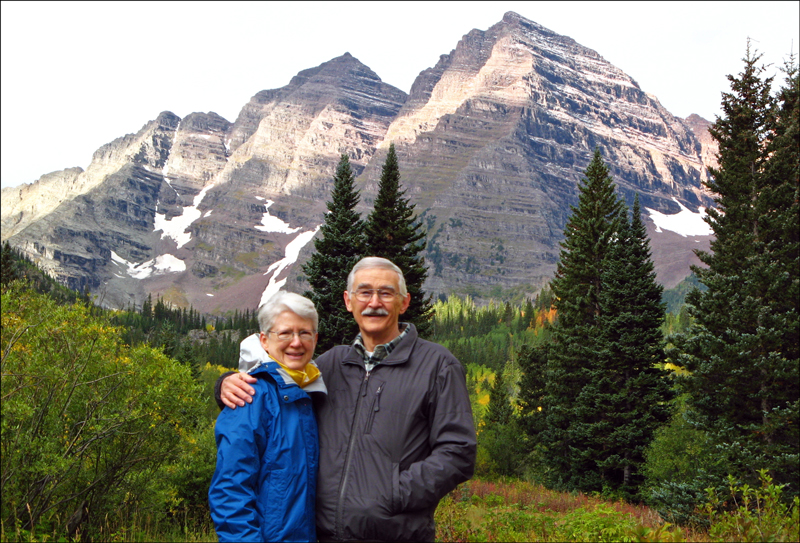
(235, 389)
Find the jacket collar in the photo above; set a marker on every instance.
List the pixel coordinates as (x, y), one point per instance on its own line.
(399, 355)
(282, 377)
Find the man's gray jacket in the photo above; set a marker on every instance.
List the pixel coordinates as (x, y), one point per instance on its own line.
(393, 441)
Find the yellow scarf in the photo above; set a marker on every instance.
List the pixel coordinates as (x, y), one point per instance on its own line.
(302, 377)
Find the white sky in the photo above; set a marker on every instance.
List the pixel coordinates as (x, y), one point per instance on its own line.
(77, 75)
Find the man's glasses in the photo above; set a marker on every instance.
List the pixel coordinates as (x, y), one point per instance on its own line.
(366, 294)
(305, 336)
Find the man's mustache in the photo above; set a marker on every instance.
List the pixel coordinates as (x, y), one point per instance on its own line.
(374, 312)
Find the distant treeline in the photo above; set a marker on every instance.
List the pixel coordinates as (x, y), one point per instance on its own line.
(485, 335)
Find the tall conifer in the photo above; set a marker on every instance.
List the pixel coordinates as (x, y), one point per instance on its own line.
(533, 363)
(742, 351)
(499, 411)
(577, 289)
(339, 247)
(631, 390)
(393, 232)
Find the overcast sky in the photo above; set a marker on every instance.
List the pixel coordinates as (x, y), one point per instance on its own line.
(78, 75)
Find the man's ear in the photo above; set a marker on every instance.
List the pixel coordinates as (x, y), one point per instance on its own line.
(347, 301)
(406, 302)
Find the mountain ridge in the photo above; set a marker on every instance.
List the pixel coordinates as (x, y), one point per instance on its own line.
(491, 141)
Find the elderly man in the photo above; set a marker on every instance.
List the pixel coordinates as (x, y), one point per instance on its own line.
(396, 429)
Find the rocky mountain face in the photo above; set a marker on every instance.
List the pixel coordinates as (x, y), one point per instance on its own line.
(492, 142)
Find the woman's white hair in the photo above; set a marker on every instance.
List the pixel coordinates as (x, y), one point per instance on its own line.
(286, 301)
(370, 262)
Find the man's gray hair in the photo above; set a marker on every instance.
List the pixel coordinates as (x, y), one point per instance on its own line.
(370, 262)
(286, 301)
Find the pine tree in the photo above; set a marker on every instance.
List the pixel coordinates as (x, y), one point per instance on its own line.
(8, 266)
(631, 390)
(577, 288)
(338, 248)
(499, 411)
(393, 232)
(533, 363)
(742, 349)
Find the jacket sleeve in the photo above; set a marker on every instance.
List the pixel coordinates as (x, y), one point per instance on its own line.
(452, 440)
(241, 440)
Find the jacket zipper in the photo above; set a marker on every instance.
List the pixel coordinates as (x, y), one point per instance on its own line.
(349, 459)
(375, 409)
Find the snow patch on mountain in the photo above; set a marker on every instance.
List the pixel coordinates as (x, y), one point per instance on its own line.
(274, 224)
(685, 222)
(176, 227)
(160, 265)
(291, 254)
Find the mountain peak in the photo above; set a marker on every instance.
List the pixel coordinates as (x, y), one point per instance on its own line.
(338, 68)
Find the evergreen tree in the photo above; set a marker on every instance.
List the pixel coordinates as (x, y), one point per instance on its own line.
(742, 348)
(577, 290)
(499, 411)
(8, 268)
(392, 232)
(339, 247)
(631, 392)
(533, 363)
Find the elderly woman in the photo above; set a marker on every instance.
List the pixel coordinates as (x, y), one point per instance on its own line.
(264, 486)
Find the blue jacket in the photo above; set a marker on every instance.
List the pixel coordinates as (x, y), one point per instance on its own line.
(264, 486)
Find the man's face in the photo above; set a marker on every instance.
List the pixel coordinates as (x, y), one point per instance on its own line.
(377, 318)
(293, 352)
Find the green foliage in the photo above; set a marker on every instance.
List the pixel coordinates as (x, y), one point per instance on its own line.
(675, 298)
(679, 451)
(184, 483)
(743, 348)
(340, 246)
(501, 442)
(85, 418)
(393, 232)
(600, 524)
(492, 334)
(681, 462)
(758, 514)
(512, 510)
(503, 451)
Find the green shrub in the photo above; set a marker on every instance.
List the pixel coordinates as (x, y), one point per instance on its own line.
(680, 464)
(88, 423)
(600, 524)
(759, 514)
(502, 451)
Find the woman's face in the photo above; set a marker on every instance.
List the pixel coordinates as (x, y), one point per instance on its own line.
(296, 350)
